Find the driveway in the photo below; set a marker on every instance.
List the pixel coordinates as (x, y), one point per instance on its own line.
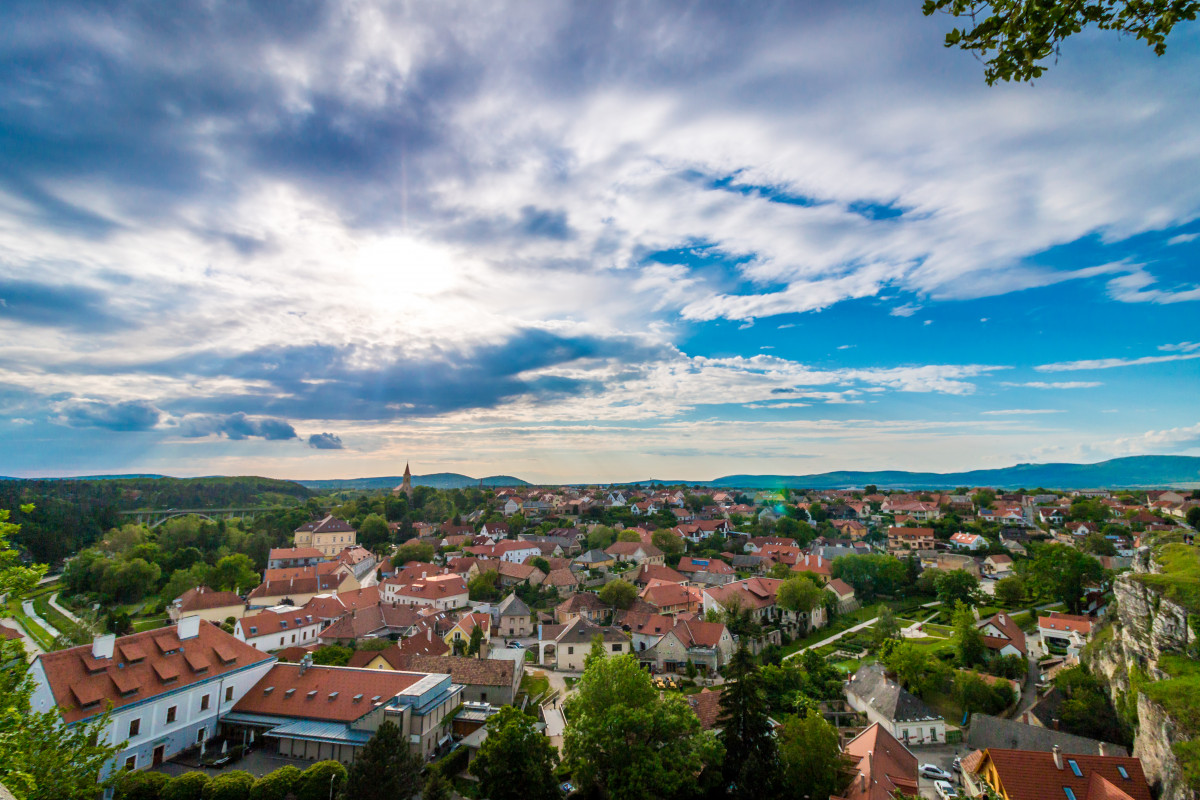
(942, 756)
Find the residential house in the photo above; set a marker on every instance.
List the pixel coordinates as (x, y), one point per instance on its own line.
(359, 560)
(285, 557)
(484, 680)
(901, 540)
(511, 574)
(595, 559)
(347, 583)
(903, 714)
(317, 713)
(328, 535)
(1064, 632)
(461, 631)
(278, 627)
(635, 552)
(705, 571)
(707, 705)
(572, 643)
(986, 731)
(165, 689)
(999, 565)
(583, 604)
(513, 618)
(754, 594)
(821, 567)
(298, 591)
(495, 530)
(646, 573)
(443, 592)
(397, 656)
(382, 620)
(565, 581)
(1035, 775)
(672, 598)
(215, 607)
(844, 593)
(515, 552)
(881, 768)
(707, 645)
(967, 541)
(1002, 636)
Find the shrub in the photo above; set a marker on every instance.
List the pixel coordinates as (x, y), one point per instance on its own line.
(454, 763)
(276, 785)
(141, 786)
(229, 786)
(188, 786)
(315, 781)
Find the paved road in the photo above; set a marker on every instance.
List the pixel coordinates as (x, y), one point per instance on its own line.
(31, 646)
(837, 636)
(27, 607)
(54, 604)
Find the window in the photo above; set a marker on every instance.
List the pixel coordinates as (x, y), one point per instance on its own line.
(483, 696)
(1070, 794)
(131, 762)
(204, 703)
(904, 734)
(171, 713)
(135, 727)
(616, 647)
(1124, 773)
(1075, 767)
(570, 651)
(201, 735)
(228, 694)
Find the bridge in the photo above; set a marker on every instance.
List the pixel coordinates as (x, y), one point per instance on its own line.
(157, 516)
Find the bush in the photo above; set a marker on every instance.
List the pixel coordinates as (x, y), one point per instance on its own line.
(315, 781)
(141, 786)
(229, 786)
(454, 763)
(276, 785)
(188, 786)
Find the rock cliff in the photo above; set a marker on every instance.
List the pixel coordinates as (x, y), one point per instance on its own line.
(1148, 627)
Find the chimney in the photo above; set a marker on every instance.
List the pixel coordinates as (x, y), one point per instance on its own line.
(188, 627)
(305, 663)
(1058, 757)
(1103, 749)
(102, 646)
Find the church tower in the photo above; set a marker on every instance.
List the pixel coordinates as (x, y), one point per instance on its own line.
(405, 485)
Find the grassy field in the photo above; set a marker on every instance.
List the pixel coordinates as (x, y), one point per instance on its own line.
(35, 631)
(535, 683)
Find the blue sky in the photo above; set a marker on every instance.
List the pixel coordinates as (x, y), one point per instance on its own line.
(577, 242)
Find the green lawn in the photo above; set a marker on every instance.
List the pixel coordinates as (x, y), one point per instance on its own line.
(35, 631)
(535, 684)
(842, 623)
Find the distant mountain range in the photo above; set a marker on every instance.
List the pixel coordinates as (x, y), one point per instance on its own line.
(1131, 472)
(438, 480)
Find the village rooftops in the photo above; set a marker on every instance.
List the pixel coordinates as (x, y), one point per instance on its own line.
(335, 694)
(328, 524)
(1034, 775)
(1057, 621)
(888, 697)
(202, 598)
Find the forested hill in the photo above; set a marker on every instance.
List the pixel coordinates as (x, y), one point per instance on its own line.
(70, 514)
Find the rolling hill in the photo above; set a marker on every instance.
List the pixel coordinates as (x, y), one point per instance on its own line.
(437, 480)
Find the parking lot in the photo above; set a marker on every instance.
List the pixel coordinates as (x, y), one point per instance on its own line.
(941, 756)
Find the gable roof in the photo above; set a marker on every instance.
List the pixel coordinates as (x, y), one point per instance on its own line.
(582, 601)
(662, 594)
(328, 524)
(888, 697)
(657, 572)
(269, 621)
(1057, 621)
(1032, 775)
(707, 705)
(752, 592)
(582, 631)
(202, 598)
(882, 766)
(468, 671)
(1012, 632)
(142, 665)
(294, 553)
(987, 731)
(281, 588)
(335, 694)
(513, 606)
(631, 549)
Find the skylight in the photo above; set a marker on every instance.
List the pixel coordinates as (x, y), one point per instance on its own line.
(1075, 767)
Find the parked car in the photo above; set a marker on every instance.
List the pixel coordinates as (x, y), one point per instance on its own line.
(957, 765)
(515, 646)
(945, 790)
(935, 772)
(566, 788)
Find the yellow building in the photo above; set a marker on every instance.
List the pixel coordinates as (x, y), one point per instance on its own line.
(329, 535)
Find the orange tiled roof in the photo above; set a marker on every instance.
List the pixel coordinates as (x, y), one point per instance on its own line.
(337, 694)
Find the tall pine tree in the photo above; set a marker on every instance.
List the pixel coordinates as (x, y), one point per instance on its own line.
(386, 769)
(751, 766)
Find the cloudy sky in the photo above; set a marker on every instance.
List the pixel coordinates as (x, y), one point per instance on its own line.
(585, 241)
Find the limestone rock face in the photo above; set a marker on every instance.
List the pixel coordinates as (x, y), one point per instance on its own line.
(1156, 733)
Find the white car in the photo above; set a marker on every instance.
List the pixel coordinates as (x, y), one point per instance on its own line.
(515, 646)
(945, 790)
(935, 772)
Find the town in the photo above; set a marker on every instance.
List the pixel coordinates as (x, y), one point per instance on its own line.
(626, 642)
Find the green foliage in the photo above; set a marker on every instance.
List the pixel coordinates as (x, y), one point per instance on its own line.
(957, 586)
(975, 694)
(140, 785)
(1063, 573)
(233, 785)
(1010, 591)
(373, 532)
(619, 593)
(886, 626)
(437, 787)
(276, 785)
(1097, 544)
(476, 641)
(412, 551)
(485, 587)
(516, 761)
(600, 537)
(751, 756)
(811, 757)
(624, 740)
(969, 649)
(628, 535)
(332, 655)
(871, 575)
(541, 564)
(1087, 710)
(799, 594)
(1179, 580)
(385, 769)
(668, 542)
(315, 782)
(913, 667)
(188, 786)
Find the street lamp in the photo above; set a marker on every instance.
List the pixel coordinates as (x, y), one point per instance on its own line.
(332, 778)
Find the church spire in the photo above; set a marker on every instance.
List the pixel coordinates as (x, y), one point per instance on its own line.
(405, 485)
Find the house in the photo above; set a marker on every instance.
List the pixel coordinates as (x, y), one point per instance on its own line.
(484, 680)
(564, 581)
(595, 559)
(844, 593)
(513, 505)
(298, 591)
(881, 767)
(317, 713)
(635, 552)
(514, 618)
(821, 567)
(707, 645)
(397, 656)
(646, 573)
(166, 689)
(904, 715)
(672, 598)
(901, 540)
(328, 535)
(514, 574)
(967, 541)
(515, 552)
(359, 560)
(460, 632)
(210, 606)
(1002, 636)
(443, 592)
(278, 627)
(754, 594)
(705, 571)
(1034, 775)
(1064, 632)
(495, 530)
(707, 705)
(851, 528)
(644, 628)
(584, 604)
(379, 621)
(285, 557)
(329, 607)
(572, 643)
(998, 565)
(986, 731)
(348, 581)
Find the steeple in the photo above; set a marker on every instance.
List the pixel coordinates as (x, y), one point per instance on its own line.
(405, 485)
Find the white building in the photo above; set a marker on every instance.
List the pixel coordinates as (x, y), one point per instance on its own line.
(278, 627)
(167, 687)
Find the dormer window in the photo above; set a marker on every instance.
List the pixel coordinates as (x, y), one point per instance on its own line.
(312, 694)
(289, 693)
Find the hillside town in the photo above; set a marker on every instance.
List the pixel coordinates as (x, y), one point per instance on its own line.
(942, 644)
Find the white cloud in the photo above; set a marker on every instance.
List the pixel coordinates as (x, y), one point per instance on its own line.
(1109, 363)
(1133, 288)
(1021, 412)
(906, 310)
(1055, 385)
(1183, 238)
(1181, 347)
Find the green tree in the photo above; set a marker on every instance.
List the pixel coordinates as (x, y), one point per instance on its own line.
(1193, 516)
(436, 786)
(886, 626)
(751, 757)
(629, 535)
(871, 575)
(320, 780)
(600, 537)
(1098, 544)
(476, 641)
(188, 786)
(624, 740)
(182, 580)
(618, 593)
(1010, 591)
(1064, 573)
(140, 785)
(373, 532)
(485, 586)
(276, 785)
(1017, 38)
(235, 572)
(412, 551)
(541, 564)
(800, 595)
(332, 655)
(810, 757)
(669, 543)
(969, 648)
(386, 768)
(516, 761)
(957, 586)
(233, 785)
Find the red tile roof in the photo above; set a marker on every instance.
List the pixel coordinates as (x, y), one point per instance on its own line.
(752, 592)
(78, 679)
(1058, 621)
(882, 766)
(294, 553)
(707, 705)
(202, 598)
(1033, 775)
(336, 694)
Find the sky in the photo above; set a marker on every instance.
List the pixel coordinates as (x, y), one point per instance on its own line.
(585, 242)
